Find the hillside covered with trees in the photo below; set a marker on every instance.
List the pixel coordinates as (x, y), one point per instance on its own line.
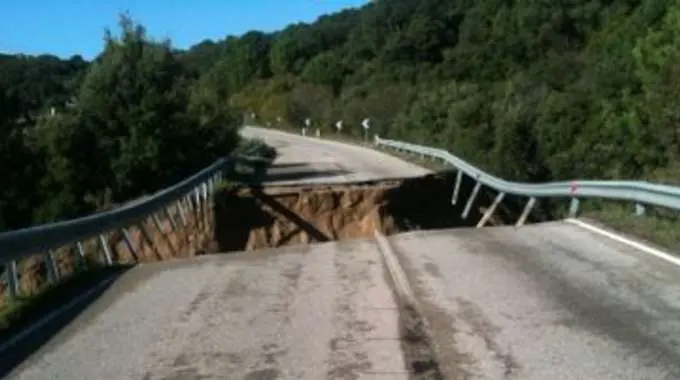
(531, 90)
(76, 137)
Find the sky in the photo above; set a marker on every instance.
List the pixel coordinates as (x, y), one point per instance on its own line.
(68, 27)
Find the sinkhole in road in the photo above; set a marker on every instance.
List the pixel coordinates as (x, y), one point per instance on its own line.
(259, 217)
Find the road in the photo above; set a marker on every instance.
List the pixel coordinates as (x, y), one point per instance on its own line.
(548, 301)
(308, 312)
(312, 160)
(322, 311)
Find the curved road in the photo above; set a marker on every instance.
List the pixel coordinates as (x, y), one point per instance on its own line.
(309, 159)
(547, 301)
(552, 300)
(323, 311)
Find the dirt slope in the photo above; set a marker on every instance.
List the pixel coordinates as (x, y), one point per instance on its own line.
(262, 217)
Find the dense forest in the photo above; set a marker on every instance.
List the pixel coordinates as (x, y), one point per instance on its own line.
(80, 136)
(532, 90)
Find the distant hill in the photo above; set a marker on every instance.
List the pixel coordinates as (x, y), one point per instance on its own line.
(531, 90)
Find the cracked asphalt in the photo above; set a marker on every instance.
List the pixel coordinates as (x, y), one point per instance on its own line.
(323, 311)
(548, 301)
(308, 312)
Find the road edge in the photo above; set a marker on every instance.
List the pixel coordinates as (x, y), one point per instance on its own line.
(56, 313)
(619, 236)
(420, 349)
(341, 143)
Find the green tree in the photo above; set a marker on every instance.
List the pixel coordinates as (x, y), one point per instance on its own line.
(138, 126)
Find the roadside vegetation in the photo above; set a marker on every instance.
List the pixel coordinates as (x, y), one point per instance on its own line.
(530, 91)
(77, 137)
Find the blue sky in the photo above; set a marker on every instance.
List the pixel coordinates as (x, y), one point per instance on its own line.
(67, 27)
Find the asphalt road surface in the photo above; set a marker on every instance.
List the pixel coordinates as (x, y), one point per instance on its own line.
(550, 301)
(310, 312)
(312, 160)
(321, 311)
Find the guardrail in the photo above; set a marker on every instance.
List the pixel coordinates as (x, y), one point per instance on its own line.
(640, 192)
(193, 194)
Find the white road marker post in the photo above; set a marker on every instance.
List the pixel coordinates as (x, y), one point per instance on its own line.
(366, 125)
(308, 122)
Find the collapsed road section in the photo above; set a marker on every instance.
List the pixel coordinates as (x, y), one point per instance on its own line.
(248, 218)
(264, 302)
(261, 217)
(320, 311)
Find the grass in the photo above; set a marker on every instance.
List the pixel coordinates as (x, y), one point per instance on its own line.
(255, 148)
(659, 227)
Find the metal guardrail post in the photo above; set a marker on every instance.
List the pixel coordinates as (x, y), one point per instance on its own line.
(211, 200)
(182, 212)
(197, 197)
(80, 255)
(456, 188)
(471, 200)
(640, 209)
(104, 244)
(147, 237)
(187, 202)
(13, 284)
(490, 211)
(169, 217)
(206, 206)
(128, 242)
(525, 213)
(51, 266)
(574, 207)
(159, 227)
(200, 207)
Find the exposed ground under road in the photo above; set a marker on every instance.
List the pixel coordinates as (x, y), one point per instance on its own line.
(548, 301)
(307, 312)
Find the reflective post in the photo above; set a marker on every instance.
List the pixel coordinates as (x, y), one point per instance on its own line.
(525, 213)
(456, 188)
(470, 201)
(490, 211)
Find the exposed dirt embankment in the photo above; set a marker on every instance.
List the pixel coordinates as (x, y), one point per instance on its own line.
(150, 242)
(261, 217)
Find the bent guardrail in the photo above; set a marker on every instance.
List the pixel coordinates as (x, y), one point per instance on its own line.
(193, 194)
(640, 192)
